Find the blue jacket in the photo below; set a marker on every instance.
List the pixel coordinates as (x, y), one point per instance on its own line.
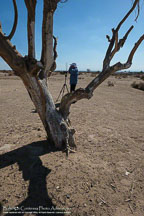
(73, 75)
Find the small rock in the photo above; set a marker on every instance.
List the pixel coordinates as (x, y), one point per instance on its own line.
(127, 173)
(18, 196)
(67, 196)
(89, 140)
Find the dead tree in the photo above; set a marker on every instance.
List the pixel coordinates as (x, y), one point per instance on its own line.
(34, 73)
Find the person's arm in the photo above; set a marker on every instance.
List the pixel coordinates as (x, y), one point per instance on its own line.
(77, 72)
(69, 71)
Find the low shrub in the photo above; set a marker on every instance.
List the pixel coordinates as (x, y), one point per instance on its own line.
(110, 83)
(142, 77)
(139, 85)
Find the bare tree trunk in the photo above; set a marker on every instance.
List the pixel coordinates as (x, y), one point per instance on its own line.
(29, 70)
(57, 128)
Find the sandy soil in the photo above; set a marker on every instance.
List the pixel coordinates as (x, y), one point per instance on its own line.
(105, 177)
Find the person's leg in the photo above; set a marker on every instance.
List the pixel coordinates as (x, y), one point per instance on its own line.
(72, 88)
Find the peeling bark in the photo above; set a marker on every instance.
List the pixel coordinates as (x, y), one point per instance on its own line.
(47, 57)
(57, 129)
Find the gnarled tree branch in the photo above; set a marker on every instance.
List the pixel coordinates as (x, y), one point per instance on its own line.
(138, 11)
(47, 57)
(11, 56)
(33, 66)
(136, 2)
(53, 67)
(87, 93)
(131, 55)
(120, 43)
(54, 48)
(108, 58)
(9, 37)
(79, 94)
(70, 98)
(31, 5)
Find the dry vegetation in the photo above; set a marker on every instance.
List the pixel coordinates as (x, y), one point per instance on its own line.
(138, 85)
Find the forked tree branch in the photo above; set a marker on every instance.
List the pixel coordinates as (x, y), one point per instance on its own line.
(123, 40)
(9, 53)
(87, 93)
(108, 58)
(9, 37)
(119, 44)
(136, 2)
(70, 98)
(79, 94)
(31, 5)
(116, 46)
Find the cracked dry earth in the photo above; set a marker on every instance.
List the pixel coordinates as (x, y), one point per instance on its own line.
(105, 177)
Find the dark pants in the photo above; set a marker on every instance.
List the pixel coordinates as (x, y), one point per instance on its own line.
(72, 87)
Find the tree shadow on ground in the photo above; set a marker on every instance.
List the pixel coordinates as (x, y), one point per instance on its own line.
(38, 202)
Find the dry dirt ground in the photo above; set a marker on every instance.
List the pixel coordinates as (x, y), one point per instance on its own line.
(105, 177)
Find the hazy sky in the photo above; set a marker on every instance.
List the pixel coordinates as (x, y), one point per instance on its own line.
(81, 27)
